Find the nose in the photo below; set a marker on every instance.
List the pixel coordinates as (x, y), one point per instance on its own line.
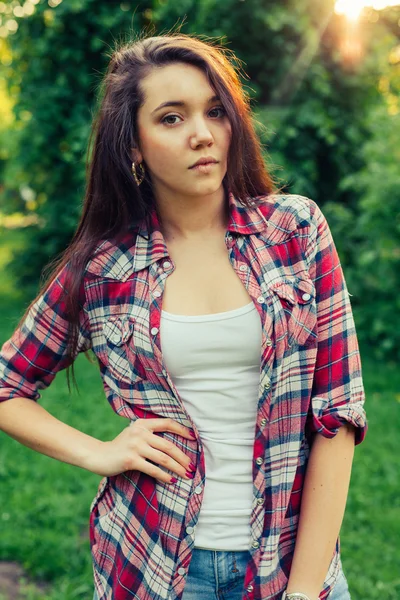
(201, 134)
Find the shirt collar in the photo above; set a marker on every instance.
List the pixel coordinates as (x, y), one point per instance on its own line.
(148, 245)
(242, 219)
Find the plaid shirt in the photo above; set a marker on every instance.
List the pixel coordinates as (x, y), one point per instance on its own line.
(141, 530)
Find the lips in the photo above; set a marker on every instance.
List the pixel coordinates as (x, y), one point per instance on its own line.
(204, 162)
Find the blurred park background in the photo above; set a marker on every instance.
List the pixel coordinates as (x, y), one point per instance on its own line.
(324, 83)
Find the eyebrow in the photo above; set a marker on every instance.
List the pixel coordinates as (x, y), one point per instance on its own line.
(181, 103)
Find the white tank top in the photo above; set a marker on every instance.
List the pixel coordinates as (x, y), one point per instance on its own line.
(214, 362)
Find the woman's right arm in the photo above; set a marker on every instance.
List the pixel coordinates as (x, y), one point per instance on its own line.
(30, 360)
(32, 425)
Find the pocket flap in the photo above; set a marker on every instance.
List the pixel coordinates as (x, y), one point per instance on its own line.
(118, 330)
(295, 291)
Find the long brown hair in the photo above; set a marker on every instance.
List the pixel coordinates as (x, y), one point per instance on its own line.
(113, 202)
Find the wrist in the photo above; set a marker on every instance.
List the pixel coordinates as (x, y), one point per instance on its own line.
(90, 456)
(295, 596)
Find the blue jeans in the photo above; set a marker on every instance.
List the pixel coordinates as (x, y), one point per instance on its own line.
(219, 575)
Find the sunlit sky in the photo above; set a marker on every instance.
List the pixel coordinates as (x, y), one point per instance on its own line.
(353, 8)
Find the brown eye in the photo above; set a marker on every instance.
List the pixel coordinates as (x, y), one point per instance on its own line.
(220, 108)
(164, 119)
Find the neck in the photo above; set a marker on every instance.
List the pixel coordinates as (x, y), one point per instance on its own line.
(194, 217)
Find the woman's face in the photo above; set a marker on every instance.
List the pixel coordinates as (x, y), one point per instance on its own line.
(172, 138)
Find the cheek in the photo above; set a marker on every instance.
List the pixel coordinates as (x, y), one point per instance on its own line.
(225, 144)
(157, 153)
(226, 137)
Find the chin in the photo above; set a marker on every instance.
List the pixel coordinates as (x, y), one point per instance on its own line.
(207, 188)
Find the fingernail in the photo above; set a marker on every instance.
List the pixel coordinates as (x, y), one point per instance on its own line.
(190, 475)
(192, 467)
(173, 480)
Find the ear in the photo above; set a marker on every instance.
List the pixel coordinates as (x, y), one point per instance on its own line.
(136, 156)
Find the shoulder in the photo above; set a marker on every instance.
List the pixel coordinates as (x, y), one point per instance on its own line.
(112, 257)
(287, 213)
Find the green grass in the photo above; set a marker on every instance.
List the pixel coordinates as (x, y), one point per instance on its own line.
(44, 511)
(371, 527)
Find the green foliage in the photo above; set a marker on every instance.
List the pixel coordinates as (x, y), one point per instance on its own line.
(376, 266)
(374, 261)
(58, 57)
(320, 117)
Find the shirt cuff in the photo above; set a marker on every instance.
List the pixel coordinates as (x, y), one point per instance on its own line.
(328, 420)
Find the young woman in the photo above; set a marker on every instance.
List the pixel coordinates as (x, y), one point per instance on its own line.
(221, 322)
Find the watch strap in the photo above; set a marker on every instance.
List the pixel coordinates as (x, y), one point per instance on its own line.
(295, 596)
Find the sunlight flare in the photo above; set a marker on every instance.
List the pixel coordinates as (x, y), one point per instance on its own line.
(352, 9)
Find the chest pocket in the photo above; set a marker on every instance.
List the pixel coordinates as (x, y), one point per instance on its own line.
(297, 298)
(122, 360)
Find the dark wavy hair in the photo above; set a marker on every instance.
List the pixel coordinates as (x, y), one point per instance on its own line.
(113, 202)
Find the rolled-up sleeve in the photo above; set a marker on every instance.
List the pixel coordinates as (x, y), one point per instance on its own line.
(37, 350)
(337, 393)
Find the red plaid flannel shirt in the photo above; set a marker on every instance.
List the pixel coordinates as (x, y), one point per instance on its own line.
(310, 381)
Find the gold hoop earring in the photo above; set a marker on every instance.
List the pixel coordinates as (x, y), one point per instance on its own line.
(141, 173)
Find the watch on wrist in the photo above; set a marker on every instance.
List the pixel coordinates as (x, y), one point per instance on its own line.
(294, 596)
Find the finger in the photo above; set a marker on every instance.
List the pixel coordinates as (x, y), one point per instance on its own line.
(149, 469)
(166, 424)
(172, 450)
(165, 461)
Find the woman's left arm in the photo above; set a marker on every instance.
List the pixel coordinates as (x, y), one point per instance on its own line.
(323, 505)
(336, 418)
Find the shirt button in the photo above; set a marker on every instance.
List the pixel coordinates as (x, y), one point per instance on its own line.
(181, 571)
(306, 297)
(157, 294)
(164, 372)
(259, 460)
(198, 489)
(269, 342)
(255, 545)
(263, 422)
(260, 299)
(154, 330)
(250, 588)
(189, 530)
(167, 264)
(260, 500)
(243, 268)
